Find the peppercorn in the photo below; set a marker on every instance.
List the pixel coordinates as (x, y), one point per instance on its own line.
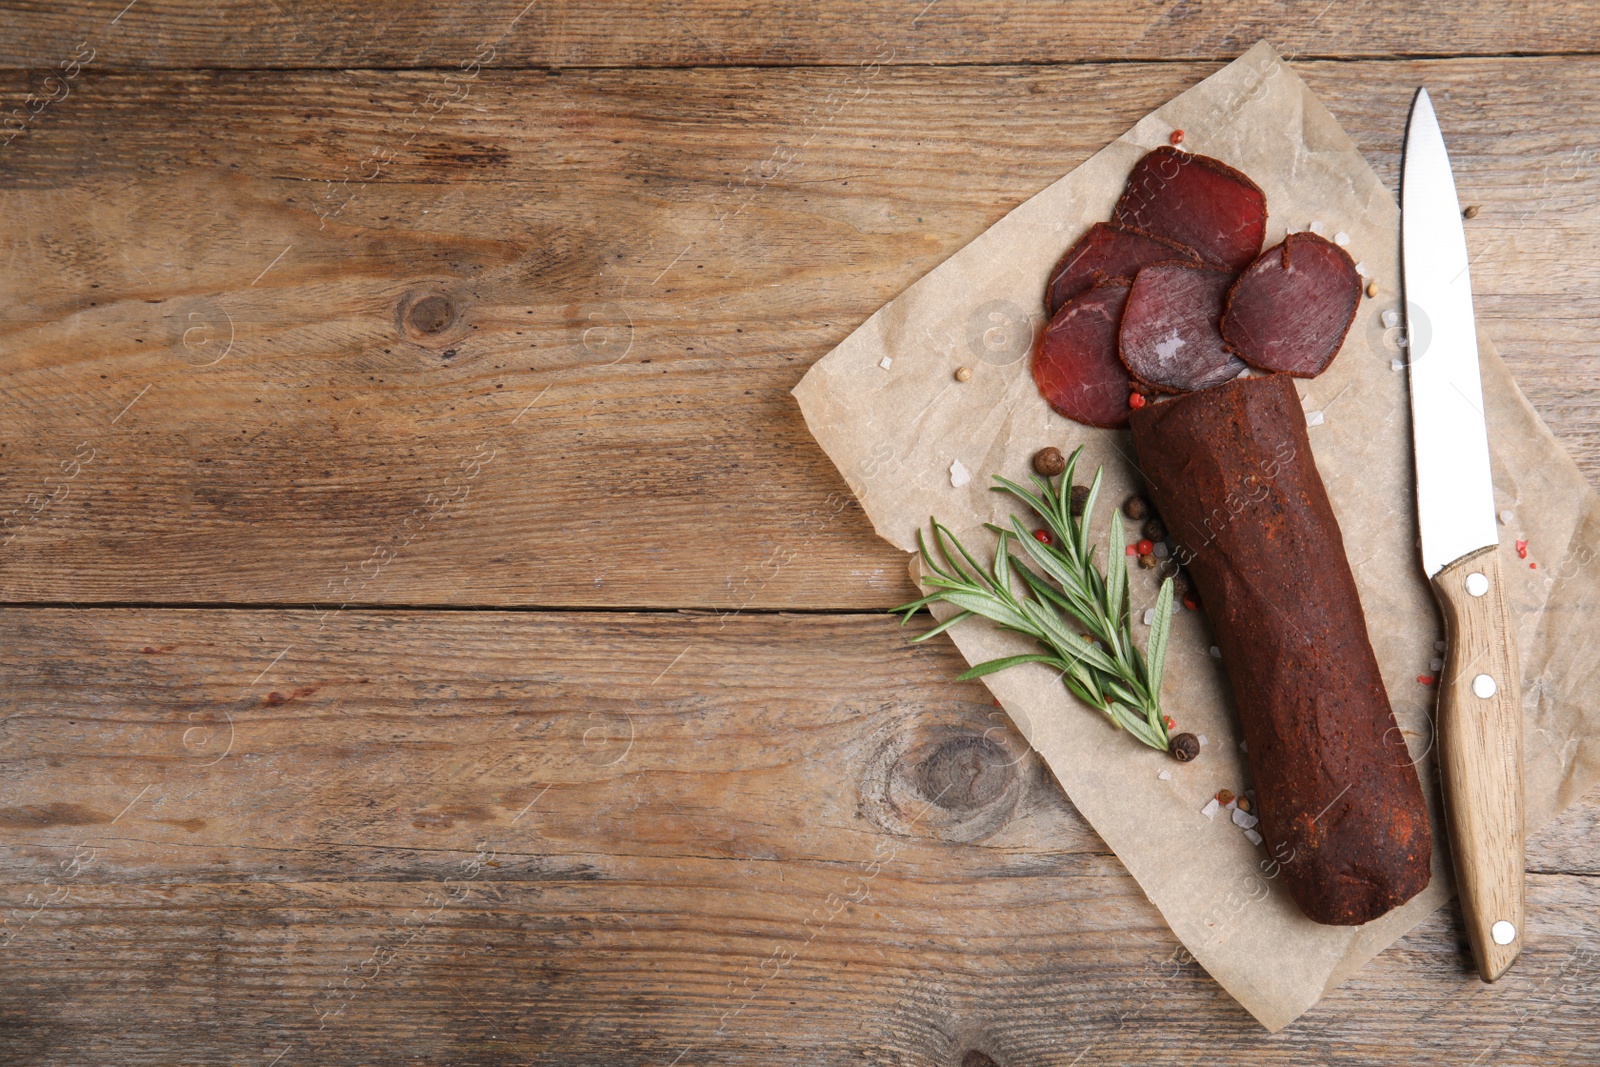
(1144, 548)
(1471, 212)
(1147, 561)
(963, 374)
(1043, 537)
(1136, 401)
(1224, 797)
(1177, 137)
(1049, 462)
(1080, 498)
(1244, 804)
(1184, 747)
(1154, 531)
(1372, 288)
(1135, 508)
(1180, 584)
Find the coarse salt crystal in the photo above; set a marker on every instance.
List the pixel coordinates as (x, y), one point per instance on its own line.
(1361, 269)
(1149, 616)
(1232, 805)
(1438, 646)
(1216, 653)
(1436, 664)
(1397, 364)
(1316, 227)
(1255, 838)
(885, 362)
(1341, 239)
(1243, 747)
(1210, 810)
(1165, 776)
(1161, 550)
(1507, 517)
(959, 475)
(1313, 418)
(1391, 317)
(1244, 819)
(1202, 740)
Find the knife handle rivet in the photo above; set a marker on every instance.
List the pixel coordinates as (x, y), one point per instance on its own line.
(1477, 584)
(1503, 932)
(1484, 686)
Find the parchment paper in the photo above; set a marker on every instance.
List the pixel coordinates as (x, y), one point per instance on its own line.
(888, 411)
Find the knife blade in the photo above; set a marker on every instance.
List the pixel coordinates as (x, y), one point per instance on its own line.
(1479, 720)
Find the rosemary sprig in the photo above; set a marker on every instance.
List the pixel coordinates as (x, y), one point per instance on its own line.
(1081, 620)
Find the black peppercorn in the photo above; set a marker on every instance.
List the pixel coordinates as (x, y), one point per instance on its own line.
(1154, 531)
(1080, 497)
(1135, 508)
(1049, 462)
(1184, 747)
(1180, 584)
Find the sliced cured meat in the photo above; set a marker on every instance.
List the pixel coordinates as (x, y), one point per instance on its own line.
(1076, 364)
(1169, 338)
(1108, 251)
(1197, 201)
(1289, 311)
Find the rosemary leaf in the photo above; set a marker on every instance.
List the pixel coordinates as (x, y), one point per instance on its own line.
(960, 616)
(1160, 627)
(990, 666)
(1117, 587)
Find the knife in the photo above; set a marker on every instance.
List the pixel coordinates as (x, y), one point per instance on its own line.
(1480, 689)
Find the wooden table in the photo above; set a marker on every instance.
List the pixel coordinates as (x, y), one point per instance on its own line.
(431, 634)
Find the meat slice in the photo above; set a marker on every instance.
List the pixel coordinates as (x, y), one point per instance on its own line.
(1169, 339)
(1075, 362)
(1197, 201)
(1289, 311)
(1108, 251)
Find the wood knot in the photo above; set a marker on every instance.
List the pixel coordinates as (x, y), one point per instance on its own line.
(956, 780)
(431, 317)
(432, 314)
(964, 773)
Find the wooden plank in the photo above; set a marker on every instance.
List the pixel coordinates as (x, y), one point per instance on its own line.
(556, 971)
(491, 837)
(535, 347)
(565, 33)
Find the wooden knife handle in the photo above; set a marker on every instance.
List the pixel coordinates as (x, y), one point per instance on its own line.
(1480, 755)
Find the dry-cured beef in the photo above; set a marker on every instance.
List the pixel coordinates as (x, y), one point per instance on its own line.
(1075, 361)
(1290, 309)
(1341, 808)
(1108, 252)
(1197, 201)
(1169, 339)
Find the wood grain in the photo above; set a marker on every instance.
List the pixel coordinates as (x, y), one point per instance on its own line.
(1480, 755)
(662, 817)
(650, 259)
(635, 33)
